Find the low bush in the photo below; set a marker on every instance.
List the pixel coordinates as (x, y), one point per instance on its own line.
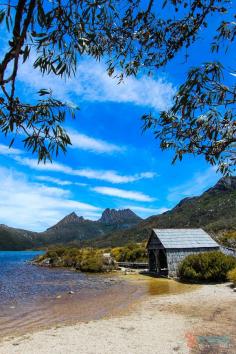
(83, 259)
(228, 239)
(92, 263)
(231, 275)
(206, 266)
(130, 253)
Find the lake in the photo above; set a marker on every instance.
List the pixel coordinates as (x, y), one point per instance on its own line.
(33, 298)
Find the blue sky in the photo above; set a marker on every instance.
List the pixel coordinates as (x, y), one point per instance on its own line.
(111, 164)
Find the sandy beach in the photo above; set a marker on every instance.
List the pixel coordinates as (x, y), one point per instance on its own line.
(198, 321)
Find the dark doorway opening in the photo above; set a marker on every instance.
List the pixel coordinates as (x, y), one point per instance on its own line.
(162, 259)
(152, 262)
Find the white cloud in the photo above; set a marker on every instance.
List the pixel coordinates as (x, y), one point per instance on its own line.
(147, 211)
(194, 186)
(93, 84)
(112, 176)
(35, 206)
(103, 175)
(5, 150)
(58, 181)
(84, 142)
(121, 193)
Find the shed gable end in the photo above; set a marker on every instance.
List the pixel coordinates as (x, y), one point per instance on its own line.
(154, 242)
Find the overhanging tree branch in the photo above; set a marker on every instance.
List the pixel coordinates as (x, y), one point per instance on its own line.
(134, 36)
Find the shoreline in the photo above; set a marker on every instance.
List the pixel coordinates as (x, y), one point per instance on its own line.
(171, 323)
(115, 295)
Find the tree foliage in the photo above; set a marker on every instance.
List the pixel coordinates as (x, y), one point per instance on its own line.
(132, 35)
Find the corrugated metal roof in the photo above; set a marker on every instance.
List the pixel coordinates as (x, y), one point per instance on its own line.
(184, 238)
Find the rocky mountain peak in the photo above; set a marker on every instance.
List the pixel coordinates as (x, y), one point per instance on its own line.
(227, 183)
(113, 216)
(71, 218)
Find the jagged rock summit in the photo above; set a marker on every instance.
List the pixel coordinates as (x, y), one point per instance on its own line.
(72, 218)
(113, 216)
(227, 183)
(74, 229)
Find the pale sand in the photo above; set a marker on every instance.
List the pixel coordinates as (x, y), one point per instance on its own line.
(159, 324)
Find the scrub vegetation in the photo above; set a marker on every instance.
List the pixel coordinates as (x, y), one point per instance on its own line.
(228, 239)
(232, 276)
(207, 266)
(92, 259)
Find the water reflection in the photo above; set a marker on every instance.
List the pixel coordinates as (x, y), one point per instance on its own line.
(34, 297)
(159, 286)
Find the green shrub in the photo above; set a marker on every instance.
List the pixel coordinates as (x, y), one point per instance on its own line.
(206, 266)
(228, 239)
(231, 275)
(130, 253)
(92, 263)
(83, 259)
(52, 254)
(92, 259)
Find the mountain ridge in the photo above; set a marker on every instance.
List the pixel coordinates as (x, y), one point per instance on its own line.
(110, 216)
(72, 229)
(214, 210)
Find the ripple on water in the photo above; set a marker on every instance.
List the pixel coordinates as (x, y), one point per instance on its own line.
(33, 298)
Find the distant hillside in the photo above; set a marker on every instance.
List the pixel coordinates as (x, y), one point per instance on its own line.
(15, 239)
(72, 229)
(214, 210)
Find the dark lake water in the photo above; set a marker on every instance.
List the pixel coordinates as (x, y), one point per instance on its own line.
(34, 297)
(22, 282)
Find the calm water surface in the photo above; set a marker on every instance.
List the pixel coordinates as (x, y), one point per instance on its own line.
(21, 282)
(33, 298)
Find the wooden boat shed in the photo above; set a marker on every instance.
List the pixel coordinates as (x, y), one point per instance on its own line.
(168, 247)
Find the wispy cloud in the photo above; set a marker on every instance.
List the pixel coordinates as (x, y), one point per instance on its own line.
(35, 206)
(147, 211)
(59, 182)
(5, 150)
(84, 142)
(103, 175)
(124, 194)
(93, 84)
(195, 186)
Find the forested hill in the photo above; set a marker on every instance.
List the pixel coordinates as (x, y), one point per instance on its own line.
(12, 239)
(214, 210)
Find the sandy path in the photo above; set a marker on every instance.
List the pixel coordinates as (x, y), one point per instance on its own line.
(202, 321)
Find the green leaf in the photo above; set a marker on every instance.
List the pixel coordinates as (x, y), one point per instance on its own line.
(26, 53)
(44, 92)
(2, 15)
